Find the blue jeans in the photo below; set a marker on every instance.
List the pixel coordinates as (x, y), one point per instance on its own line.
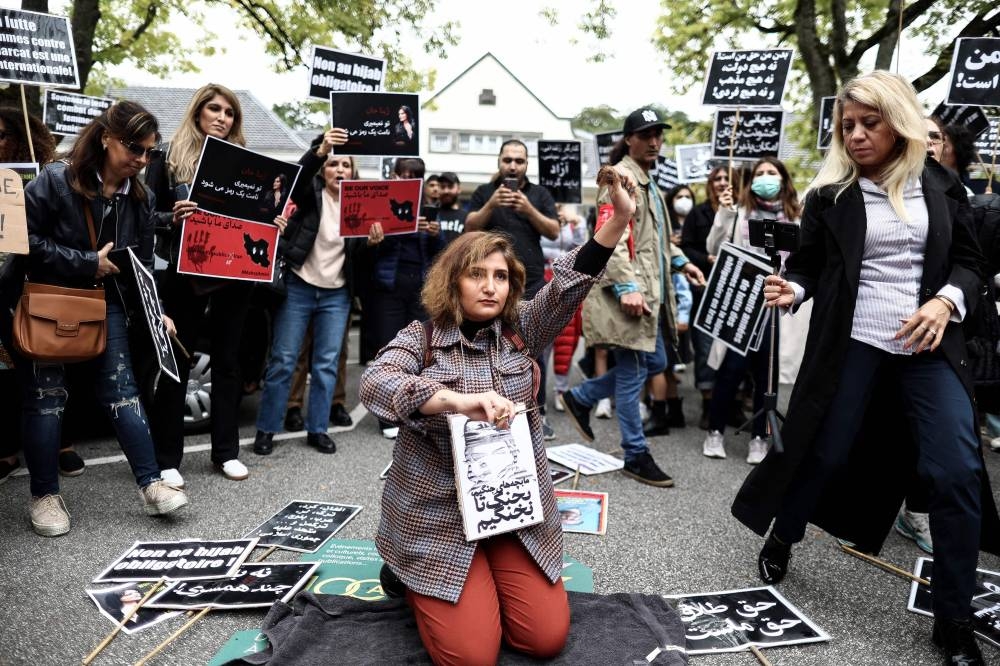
(44, 394)
(625, 381)
(329, 310)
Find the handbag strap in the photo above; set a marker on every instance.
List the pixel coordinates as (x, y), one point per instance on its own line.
(90, 223)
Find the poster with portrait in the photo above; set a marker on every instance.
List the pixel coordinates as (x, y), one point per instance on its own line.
(975, 72)
(227, 247)
(747, 135)
(331, 70)
(257, 585)
(560, 164)
(394, 204)
(582, 511)
(747, 78)
(694, 162)
(377, 123)
(985, 612)
(824, 135)
(118, 601)
(495, 475)
(153, 314)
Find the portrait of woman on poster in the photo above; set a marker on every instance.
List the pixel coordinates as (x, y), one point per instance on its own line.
(406, 129)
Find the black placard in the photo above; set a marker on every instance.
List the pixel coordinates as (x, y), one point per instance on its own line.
(747, 78)
(67, 113)
(986, 142)
(732, 308)
(971, 117)
(694, 162)
(824, 136)
(560, 164)
(604, 142)
(975, 72)
(331, 70)
(178, 560)
(664, 174)
(38, 49)
(303, 526)
(985, 600)
(256, 585)
(758, 134)
(146, 287)
(235, 182)
(732, 620)
(374, 122)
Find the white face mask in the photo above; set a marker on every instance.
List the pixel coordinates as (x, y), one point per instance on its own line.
(683, 205)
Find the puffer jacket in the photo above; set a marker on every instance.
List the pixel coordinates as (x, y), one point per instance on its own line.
(603, 319)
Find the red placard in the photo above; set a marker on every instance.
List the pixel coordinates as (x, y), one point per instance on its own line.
(227, 247)
(395, 204)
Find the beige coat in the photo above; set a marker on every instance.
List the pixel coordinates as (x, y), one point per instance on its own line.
(603, 319)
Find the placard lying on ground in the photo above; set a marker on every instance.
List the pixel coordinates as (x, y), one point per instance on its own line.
(971, 117)
(303, 526)
(582, 511)
(824, 135)
(395, 204)
(730, 621)
(758, 134)
(559, 474)
(146, 286)
(37, 49)
(495, 475)
(331, 70)
(604, 142)
(732, 308)
(13, 219)
(694, 162)
(118, 601)
(255, 585)
(178, 560)
(587, 460)
(227, 247)
(560, 164)
(985, 600)
(67, 113)
(377, 123)
(747, 78)
(975, 72)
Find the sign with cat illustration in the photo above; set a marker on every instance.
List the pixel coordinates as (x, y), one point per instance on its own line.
(227, 247)
(377, 123)
(394, 204)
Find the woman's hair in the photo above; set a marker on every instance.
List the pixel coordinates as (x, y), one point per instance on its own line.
(669, 201)
(125, 121)
(788, 196)
(713, 198)
(17, 149)
(282, 181)
(440, 294)
(409, 115)
(963, 146)
(187, 142)
(895, 100)
(409, 167)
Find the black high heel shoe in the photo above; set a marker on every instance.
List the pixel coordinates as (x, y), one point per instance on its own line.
(772, 563)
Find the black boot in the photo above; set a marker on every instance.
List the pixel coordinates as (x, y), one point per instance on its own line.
(772, 563)
(293, 420)
(675, 413)
(262, 444)
(956, 639)
(706, 406)
(657, 425)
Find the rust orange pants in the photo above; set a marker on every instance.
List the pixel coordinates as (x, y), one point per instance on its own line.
(505, 596)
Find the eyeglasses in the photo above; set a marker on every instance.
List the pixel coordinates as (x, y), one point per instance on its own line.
(935, 138)
(137, 150)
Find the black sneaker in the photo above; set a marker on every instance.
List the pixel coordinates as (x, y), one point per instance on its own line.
(340, 417)
(657, 426)
(548, 434)
(263, 444)
(293, 420)
(772, 563)
(70, 463)
(578, 415)
(956, 639)
(644, 468)
(321, 442)
(6, 469)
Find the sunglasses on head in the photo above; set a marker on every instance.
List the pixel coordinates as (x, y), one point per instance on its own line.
(138, 150)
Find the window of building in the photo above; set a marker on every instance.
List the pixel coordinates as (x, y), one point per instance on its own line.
(487, 98)
(441, 142)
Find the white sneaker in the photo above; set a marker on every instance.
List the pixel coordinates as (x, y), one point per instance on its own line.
(644, 412)
(390, 433)
(680, 367)
(49, 516)
(233, 470)
(916, 526)
(160, 498)
(995, 444)
(603, 409)
(714, 445)
(172, 477)
(560, 407)
(758, 449)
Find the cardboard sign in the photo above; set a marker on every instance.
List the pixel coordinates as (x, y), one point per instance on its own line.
(67, 113)
(37, 49)
(378, 123)
(747, 78)
(331, 70)
(13, 220)
(303, 526)
(118, 601)
(226, 247)
(235, 182)
(256, 585)
(582, 511)
(758, 134)
(604, 142)
(395, 204)
(985, 600)
(150, 300)
(824, 135)
(178, 560)
(732, 309)
(587, 460)
(731, 621)
(664, 174)
(694, 162)
(975, 72)
(560, 164)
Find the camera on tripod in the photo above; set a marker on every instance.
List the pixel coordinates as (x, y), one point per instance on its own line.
(774, 236)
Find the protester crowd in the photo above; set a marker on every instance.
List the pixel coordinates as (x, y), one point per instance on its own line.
(628, 287)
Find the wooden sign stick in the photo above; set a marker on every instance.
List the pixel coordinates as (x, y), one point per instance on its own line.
(27, 125)
(267, 552)
(128, 616)
(172, 637)
(764, 661)
(732, 146)
(576, 479)
(882, 564)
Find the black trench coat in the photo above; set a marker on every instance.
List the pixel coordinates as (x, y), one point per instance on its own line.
(861, 501)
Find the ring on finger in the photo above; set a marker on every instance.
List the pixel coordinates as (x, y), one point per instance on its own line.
(932, 331)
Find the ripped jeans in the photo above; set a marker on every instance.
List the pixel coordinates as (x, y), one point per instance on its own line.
(44, 394)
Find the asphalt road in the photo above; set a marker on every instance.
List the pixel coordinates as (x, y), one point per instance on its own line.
(659, 541)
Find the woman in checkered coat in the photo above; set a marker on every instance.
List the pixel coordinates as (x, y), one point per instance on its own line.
(467, 596)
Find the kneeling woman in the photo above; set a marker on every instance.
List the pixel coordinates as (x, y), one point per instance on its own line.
(466, 596)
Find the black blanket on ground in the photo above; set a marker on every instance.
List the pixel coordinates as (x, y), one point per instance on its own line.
(329, 629)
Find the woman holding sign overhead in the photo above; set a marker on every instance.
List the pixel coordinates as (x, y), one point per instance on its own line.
(213, 111)
(476, 360)
(884, 396)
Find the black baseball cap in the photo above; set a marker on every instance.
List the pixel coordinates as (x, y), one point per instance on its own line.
(449, 177)
(644, 119)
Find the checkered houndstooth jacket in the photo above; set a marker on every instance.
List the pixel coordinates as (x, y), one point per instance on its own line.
(420, 532)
